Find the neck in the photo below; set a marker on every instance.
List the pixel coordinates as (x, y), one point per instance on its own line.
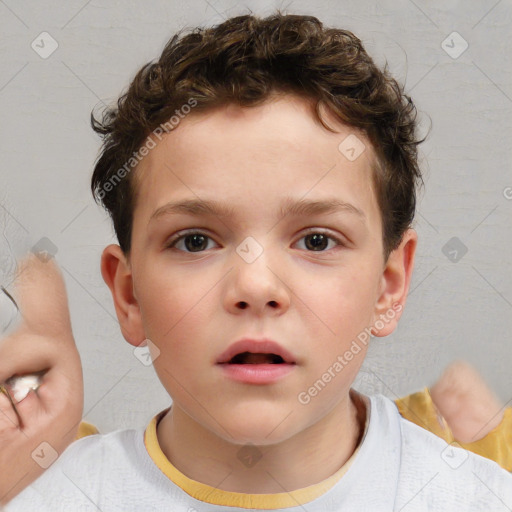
(302, 460)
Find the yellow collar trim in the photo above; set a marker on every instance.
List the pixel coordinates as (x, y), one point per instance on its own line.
(209, 494)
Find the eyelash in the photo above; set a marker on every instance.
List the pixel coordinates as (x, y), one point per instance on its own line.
(180, 236)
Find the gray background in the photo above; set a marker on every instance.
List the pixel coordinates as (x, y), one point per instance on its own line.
(456, 309)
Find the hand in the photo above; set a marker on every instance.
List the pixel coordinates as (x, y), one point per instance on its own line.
(42, 342)
(466, 402)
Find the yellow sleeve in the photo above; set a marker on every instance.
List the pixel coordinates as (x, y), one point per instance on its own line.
(86, 429)
(496, 445)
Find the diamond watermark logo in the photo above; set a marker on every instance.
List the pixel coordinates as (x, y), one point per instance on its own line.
(351, 147)
(44, 45)
(44, 249)
(45, 455)
(454, 455)
(249, 455)
(454, 45)
(249, 250)
(146, 352)
(454, 249)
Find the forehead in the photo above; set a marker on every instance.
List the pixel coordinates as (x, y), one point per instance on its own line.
(248, 154)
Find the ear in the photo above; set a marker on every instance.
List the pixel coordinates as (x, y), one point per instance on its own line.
(394, 287)
(117, 274)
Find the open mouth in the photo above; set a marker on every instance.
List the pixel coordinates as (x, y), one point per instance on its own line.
(250, 358)
(259, 365)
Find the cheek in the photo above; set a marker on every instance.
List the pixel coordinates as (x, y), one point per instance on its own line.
(167, 300)
(342, 308)
(175, 311)
(342, 304)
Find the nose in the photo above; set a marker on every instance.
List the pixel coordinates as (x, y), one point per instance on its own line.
(259, 287)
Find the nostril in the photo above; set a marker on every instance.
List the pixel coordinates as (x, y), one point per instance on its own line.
(243, 305)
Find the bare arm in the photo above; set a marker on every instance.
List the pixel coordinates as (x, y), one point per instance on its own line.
(45, 422)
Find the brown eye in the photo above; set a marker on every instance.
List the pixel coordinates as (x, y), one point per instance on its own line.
(190, 242)
(318, 241)
(195, 243)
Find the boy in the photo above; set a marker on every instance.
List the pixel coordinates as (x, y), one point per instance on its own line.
(279, 146)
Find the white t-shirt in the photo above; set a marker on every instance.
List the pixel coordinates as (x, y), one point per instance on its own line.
(398, 466)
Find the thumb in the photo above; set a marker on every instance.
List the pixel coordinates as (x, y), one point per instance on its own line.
(40, 293)
(43, 327)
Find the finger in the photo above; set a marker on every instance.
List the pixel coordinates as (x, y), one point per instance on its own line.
(58, 394)
(467, 403)
(40, 294)
(9, 419)
(16, 389)
(24, 352)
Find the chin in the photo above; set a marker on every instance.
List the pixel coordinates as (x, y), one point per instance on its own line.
(257, 437)
(257, 427)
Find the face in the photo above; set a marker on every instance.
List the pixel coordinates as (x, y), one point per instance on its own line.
(312, 279)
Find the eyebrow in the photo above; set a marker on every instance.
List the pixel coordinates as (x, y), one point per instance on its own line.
(301, 207)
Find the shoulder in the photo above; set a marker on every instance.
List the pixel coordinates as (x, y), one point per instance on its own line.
(79, 475)
(121, 448)
(435, 475)
(112, 447)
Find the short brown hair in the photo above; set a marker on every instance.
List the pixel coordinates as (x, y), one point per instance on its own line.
(243, 61)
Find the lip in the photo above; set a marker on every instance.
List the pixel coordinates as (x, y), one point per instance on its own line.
(264, 346)
(264, 373)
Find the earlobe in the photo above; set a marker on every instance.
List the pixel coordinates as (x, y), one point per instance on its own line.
(117, 274)
(395, 281)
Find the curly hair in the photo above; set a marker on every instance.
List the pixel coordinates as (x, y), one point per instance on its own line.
(243, 61)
